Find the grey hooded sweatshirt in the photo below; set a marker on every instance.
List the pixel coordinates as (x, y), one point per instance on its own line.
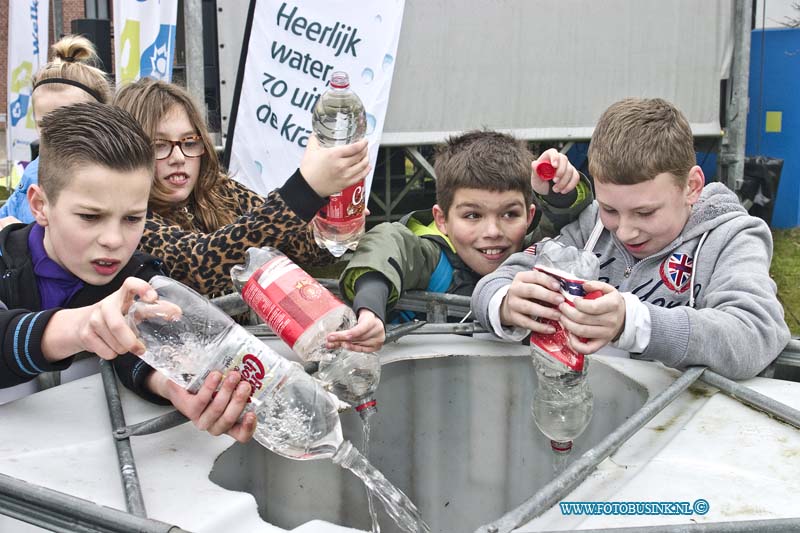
(736, 327)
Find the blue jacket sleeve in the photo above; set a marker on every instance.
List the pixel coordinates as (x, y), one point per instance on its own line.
(17, 204)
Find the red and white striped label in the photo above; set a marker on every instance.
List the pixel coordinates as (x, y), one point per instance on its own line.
(287, 298)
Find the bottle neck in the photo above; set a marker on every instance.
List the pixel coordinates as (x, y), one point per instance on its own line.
(367, 408)
(561, 447)
(346, 455)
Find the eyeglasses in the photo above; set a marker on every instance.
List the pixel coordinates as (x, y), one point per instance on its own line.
(190, 147)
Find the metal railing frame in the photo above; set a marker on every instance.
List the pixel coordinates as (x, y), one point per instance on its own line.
(65, 513)
(62, 512)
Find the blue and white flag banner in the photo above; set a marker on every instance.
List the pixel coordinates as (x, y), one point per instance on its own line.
(27, 53)
(292, 50)
(144, 39)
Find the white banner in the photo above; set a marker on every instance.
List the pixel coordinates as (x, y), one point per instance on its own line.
(27, 53)
(292, 50)
(144, 39)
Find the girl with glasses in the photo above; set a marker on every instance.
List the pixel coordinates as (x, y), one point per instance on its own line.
(200, 220)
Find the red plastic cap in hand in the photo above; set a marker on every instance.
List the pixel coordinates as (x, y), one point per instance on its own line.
(545, 171)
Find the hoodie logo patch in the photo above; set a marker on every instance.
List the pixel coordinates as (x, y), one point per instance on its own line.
(676, 272)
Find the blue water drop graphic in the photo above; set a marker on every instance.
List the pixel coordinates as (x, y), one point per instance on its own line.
(367, 75)
(259, 167)
(370, 124)
(387, 61)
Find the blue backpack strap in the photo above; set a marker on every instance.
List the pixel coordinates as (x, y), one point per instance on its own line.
(440, 281)
(442, 276)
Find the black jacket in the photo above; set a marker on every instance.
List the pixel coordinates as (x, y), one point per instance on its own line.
(23, 320)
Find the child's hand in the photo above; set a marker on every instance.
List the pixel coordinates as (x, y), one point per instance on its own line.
(367, 336)
(216, 413)
(331, 170)
(594, 323)
(566, 177)
(105, 331)
(528, 298)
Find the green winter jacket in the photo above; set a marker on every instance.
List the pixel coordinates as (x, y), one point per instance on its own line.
(414, 254)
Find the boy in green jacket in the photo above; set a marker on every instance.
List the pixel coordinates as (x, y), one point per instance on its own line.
(485, 182)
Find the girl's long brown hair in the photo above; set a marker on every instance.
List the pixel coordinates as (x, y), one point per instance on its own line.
(149, 101)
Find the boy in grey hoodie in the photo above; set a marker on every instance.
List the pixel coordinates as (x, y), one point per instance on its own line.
(684, 270)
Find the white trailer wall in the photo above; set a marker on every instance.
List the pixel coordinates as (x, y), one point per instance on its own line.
(543, 69)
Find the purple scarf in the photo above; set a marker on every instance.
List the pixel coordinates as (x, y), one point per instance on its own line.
(56, 285)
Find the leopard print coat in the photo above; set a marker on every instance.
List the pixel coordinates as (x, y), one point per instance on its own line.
(202, 259)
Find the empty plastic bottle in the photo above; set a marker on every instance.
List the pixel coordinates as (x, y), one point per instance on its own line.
(339, 118)
(563, 401)
(302, 313)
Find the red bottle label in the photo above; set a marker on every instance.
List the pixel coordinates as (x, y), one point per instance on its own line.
(346, 205)
(287, 298)
(555, 344)
(263, 369)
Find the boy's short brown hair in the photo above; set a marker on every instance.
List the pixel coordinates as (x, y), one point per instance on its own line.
(487, 160)
(89, 133)
(637, 139)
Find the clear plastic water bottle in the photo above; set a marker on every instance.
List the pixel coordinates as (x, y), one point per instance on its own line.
(563, 402)
(187, 338)
(302, 313)
(339, 118)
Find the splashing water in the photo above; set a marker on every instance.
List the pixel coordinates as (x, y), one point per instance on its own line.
(397, 505)
(560, 461)
(376, 526)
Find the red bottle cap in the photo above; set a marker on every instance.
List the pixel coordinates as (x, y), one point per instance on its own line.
(561, 447)
(545, 171)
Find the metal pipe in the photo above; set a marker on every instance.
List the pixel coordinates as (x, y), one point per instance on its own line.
(231, 304)
(409, 303)
(775, 525)
(195, 63)
(752, 398)
(262, 331)
(61, 512)
(733, 143)
(422, 296)
(48, 380)
(395, 332)
(790, 356)
(416, 301)
(429, 328)
(153, 425)
(387, 185)
(577, 472)
(134, 501)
